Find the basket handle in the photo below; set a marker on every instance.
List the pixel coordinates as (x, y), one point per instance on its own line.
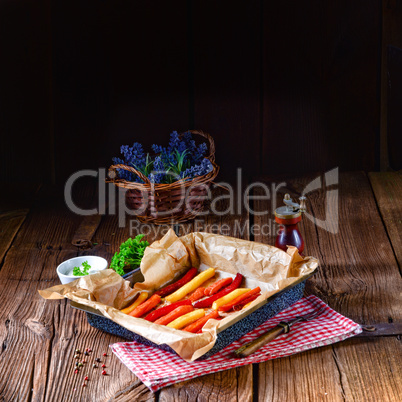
(113, 169)
(211, 141)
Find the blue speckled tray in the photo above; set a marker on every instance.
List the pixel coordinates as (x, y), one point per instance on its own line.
(275, 304)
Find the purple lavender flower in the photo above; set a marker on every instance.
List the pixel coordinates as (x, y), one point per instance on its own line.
(181, 158)
(123, 174)
(198, 170)
(159, 171)
(174, 142)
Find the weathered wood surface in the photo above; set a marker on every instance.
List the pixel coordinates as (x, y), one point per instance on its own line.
(14, 207)
(387, 187)
(38, 338)
(359, 277)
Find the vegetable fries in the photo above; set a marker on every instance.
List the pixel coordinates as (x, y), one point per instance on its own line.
(228, 298)
(226, 290)
(240, 299)
(188, 313)
(187, 319)
(197, 325)
(146, 306)
(191, 273)
(191, 286)
(141, 297)
(176, 313)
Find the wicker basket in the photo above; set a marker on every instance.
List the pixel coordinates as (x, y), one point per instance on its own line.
(177, 202)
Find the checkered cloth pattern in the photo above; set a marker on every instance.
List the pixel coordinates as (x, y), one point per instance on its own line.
(157, 368)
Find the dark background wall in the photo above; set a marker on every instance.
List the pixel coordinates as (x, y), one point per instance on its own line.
(283, 87)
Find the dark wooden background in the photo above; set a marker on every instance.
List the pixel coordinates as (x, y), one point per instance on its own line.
(283, 87)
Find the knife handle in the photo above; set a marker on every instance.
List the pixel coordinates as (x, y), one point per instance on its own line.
(251, 347)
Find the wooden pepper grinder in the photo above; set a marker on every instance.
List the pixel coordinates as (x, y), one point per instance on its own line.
(288, 216)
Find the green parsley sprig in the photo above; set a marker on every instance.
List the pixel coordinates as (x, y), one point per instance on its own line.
(130, 255)
(85, 268)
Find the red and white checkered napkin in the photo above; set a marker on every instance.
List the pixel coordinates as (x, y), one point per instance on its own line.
(157, 368)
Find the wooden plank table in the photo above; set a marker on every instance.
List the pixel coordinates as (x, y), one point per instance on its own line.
(360, 277)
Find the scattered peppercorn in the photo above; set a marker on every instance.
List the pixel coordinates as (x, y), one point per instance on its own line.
(98, 360)
(89, 350)
(86, 353)
(76, 371)
(77, 351)
(104, 372)
(94, 366)
(86, 378)
(80, 364)
(103, 365)
(84, 361)
(84, 385)
(76, 356)
(76, 364)
(105, 354)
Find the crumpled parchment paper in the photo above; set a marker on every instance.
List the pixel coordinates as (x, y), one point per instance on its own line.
(166, 260)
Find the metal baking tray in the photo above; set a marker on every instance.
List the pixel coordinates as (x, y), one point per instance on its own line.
(225, 335)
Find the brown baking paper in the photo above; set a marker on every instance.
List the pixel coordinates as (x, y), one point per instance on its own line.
(165, 260)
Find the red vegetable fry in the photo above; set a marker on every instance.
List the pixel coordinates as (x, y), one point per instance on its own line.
(215, 287)
(178, 312)
(146, 306)
(197, 325)
(208, 301)
(197, 294)
(230, 305)
(240, 305)
(167, 290)
(161, 311)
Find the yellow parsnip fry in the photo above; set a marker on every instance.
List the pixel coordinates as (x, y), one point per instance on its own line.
(141, 298)
(191, 286)
(228, 298)
(187, 319)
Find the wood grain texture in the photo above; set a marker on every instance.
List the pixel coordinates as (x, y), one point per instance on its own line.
(387, 187)
(370, 370)
(251, 73)
(122, 71)
(229, 385)
(394, 105)
(25, 95)
(391, 35)
(227, 80)
(15, 203)
(309, 376)
(39, 337)
(313, 55)
(10, 222)
(358, 277)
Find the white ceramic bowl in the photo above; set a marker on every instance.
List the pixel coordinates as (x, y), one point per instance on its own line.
(65, 267)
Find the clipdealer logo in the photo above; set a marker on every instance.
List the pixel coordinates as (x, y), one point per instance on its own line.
(238, 196)
(331, 221)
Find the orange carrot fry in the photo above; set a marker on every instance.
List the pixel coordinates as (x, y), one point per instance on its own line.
(140, 299)
(178, 312)
(146, 306)
(245, 303)
(215, 287)
(197, 294)
(230, 305)
(197, 325)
